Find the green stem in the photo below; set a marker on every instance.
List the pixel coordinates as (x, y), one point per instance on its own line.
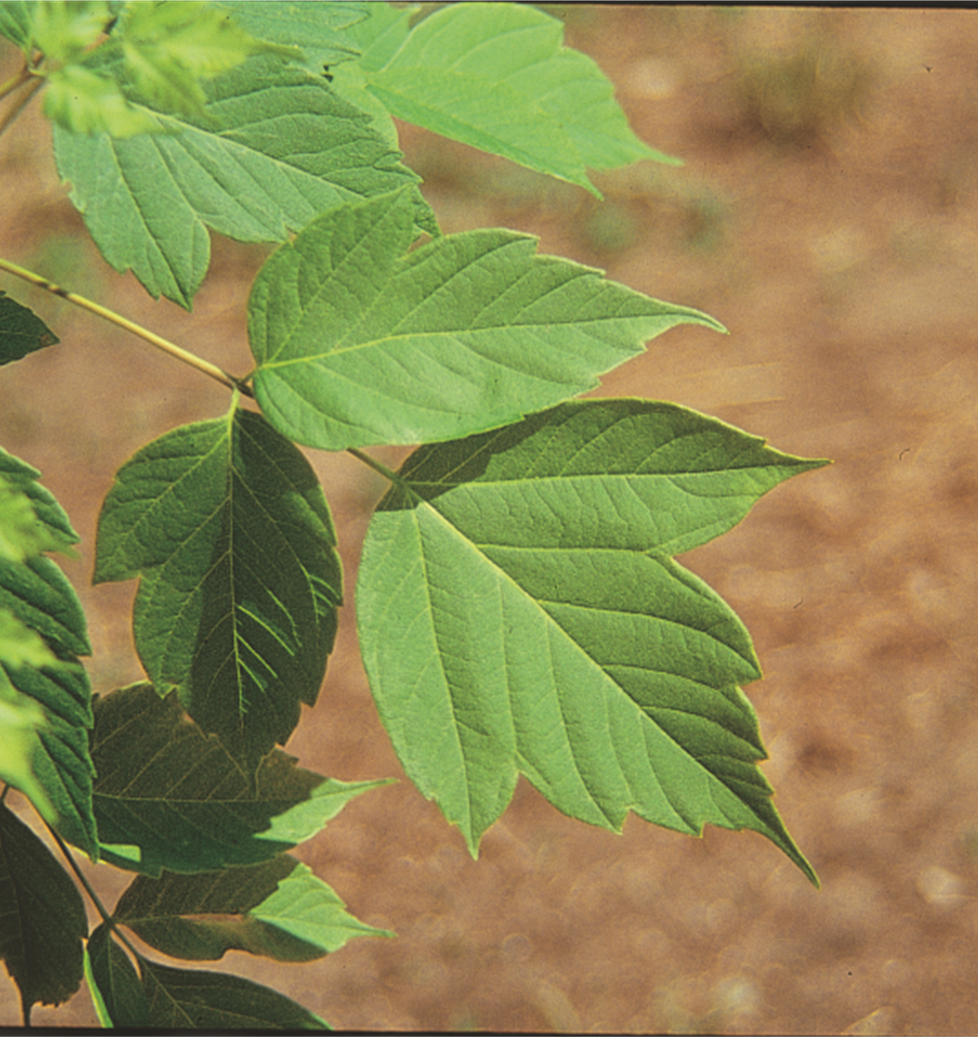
(373, 463)
(152, 338)
(80, 875)
(90, 890)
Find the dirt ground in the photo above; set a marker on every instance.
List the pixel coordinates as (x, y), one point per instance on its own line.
(827, 214)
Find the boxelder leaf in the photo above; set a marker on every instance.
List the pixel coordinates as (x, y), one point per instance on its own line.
(178, 801)
(498, 77)
(45, 697)
(278, 909)
(42, 918)
(180, 999)
(115, 986)
(519, 613)
(275, 148)
(21, 331)
(358, 343)
(228, 526)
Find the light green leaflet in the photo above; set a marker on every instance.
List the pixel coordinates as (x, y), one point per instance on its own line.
(519, 613)
(498, 77)
(96, 62)
(358, 342)
(321, 28)
(228, 528)
(277, 147)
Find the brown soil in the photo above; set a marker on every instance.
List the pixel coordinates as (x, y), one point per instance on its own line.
(828, 215)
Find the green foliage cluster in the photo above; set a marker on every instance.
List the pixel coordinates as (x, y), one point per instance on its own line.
(519, 607)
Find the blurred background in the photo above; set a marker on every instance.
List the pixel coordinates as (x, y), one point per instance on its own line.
(827, 214)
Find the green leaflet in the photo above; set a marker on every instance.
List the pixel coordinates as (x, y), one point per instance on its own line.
(21, 331)
(380, 32)
(42, 918)
(156, 53)
(278, 909)
(169, 999)
(169, 797)
(16, 19)
(498, 77)
(320, 28)
(276, 148)
(519, 613)
(228, 527)
(377, 35)
(44, 691)
(31, 519)
(65, 31)
(358, 343)
(168, 50)
(179, 999)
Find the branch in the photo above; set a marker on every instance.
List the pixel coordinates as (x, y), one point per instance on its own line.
(152, 338)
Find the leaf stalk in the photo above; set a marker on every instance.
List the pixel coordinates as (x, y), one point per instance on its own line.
(204, 366)
(372, 462)
(90, 890)
(80, 875)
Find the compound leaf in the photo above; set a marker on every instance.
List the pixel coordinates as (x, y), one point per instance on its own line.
(519, 612)
(278, 909)
(498, 77)
(180, 999)
(358, 343)
(114, 984)
(167, 796)
(275, 148)
(21, 331)
(228, 527)
(42, 918)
